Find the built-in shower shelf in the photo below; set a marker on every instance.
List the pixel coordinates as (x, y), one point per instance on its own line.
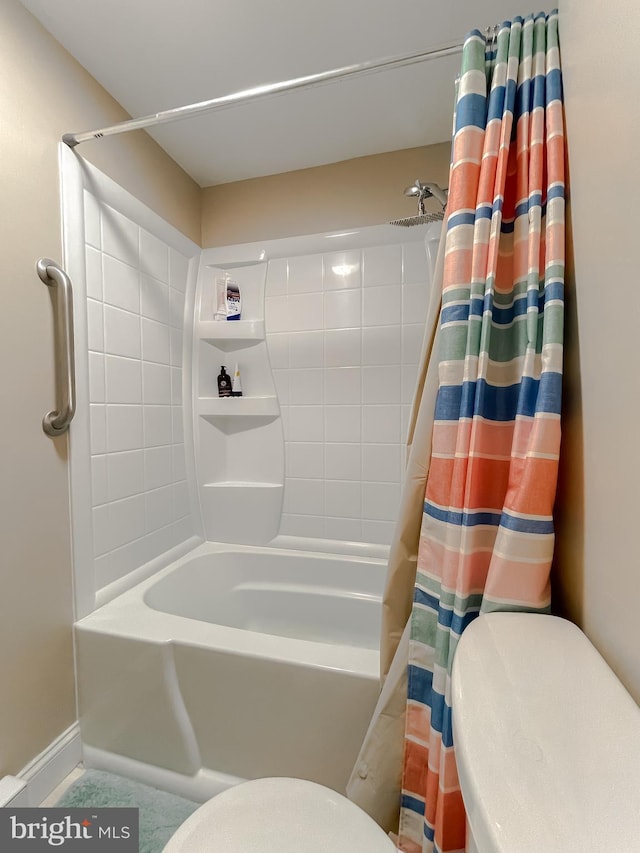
(239, 484)
(229, 333)
(238, 407)
(239, 440)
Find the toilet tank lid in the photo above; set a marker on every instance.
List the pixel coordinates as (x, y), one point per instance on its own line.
(547, 740)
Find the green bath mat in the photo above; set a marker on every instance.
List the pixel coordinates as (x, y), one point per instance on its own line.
(160, 813)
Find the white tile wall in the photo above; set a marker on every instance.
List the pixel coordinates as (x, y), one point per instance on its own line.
(135, 288)
(344, 331)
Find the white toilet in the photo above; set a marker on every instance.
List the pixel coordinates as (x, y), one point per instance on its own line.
(279, 815)
(548, 753)
(547, 740)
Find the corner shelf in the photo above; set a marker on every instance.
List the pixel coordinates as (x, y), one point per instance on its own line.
(231, 333)
(239, 440)
(239, 484)
(235, 407)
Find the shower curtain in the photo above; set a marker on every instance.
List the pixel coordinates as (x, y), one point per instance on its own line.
(479, 535)
(486, 541)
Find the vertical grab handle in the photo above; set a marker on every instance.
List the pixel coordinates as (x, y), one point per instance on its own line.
(57, 422)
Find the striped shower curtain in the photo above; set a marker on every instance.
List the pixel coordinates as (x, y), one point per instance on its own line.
(486, 540)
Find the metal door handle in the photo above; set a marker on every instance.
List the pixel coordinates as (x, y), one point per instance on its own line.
(57, 422)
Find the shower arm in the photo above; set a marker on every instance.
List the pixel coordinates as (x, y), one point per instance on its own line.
(436, 192)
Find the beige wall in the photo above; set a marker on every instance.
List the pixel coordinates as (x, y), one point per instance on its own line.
(363, 191)
(44, 93)
(598, 557)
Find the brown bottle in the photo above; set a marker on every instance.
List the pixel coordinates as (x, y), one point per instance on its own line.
(224, 383)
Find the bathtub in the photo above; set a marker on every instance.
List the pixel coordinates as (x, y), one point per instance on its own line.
(233, 663)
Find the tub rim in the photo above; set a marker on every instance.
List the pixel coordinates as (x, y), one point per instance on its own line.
(129, 616)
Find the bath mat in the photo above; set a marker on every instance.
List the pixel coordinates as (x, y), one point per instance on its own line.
(160, 813)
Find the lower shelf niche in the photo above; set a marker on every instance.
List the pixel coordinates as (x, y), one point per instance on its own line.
(242, 512)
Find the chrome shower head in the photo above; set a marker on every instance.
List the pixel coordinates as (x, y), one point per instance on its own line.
(419, 219)
(428, 189)
(414, 190)
(422, 191)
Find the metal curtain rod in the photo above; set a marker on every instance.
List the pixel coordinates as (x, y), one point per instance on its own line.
(257, 92)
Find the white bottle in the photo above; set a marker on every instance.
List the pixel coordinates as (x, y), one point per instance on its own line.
(236, 387)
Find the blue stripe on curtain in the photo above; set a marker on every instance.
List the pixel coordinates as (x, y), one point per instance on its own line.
(423, 598)
(413, 804)
(470, 110)
(420, 680)
(462, 519)
(500, 403)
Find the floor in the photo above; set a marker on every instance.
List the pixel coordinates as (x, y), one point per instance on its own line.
(66, 783)
(159, 813)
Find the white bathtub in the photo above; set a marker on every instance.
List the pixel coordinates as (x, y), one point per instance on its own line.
(233, 663)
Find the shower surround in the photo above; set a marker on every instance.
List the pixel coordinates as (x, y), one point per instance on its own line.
(344, 329)
(303, 471)
(328, 347)
(132, 502)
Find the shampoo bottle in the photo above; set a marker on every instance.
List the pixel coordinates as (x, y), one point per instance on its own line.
(233, 301)
(224, 383)
(221, 299)
(236, 388)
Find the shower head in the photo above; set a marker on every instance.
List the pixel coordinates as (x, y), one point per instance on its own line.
(421, 191)
(419, 219)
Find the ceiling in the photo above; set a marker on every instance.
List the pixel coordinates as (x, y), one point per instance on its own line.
(153, 56)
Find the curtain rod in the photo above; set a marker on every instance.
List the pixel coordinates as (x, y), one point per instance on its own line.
(258, 92)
